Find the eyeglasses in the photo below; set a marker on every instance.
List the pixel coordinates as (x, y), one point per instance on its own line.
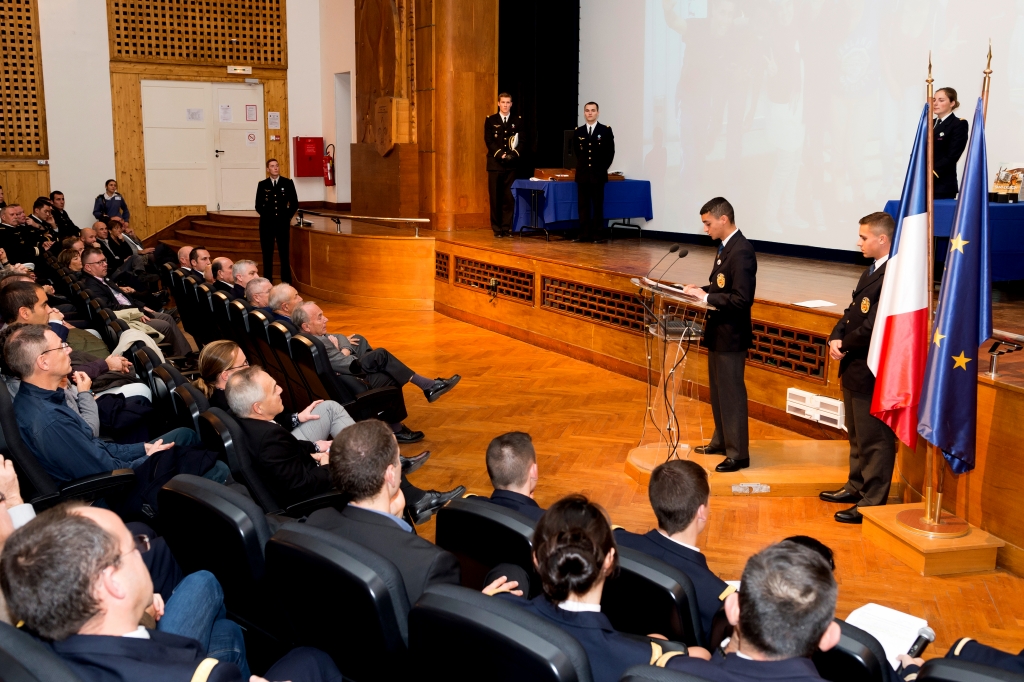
(96, 262)
(141, 543)
(62, 346)
(241, 366)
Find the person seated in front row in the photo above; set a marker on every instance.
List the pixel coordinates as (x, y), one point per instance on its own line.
(783, 614)
(679, 493)
(512, 467)
(220, 271)
(283, 300)
(60, 439)
(76, 579)
(293, 468)
(257, 293)
(198, 263)
(574, 553)
(365, 465)
(242, 272)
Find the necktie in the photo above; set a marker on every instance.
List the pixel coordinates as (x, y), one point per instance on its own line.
(590, 130)
(872, 270)
(720, 247)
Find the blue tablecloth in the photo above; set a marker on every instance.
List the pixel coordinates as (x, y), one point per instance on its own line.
(1006, 235)
(558, 206)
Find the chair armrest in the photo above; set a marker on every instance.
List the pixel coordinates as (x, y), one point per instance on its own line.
(99, 485)
(384, 403)
(333, 498)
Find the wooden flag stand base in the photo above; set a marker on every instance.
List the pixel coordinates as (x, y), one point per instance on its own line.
(928, 552)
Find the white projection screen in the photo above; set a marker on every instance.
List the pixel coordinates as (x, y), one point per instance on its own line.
(800, 112)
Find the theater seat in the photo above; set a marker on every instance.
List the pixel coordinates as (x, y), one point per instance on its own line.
(258, 334)
(166, 378)
(649, 596)
(24, 659)
(189, 402)
(213, 527)
(649, 673)
(338, 596)
(952, 670)
(238, 313)
(221, 316)
(483, 535)
(280, 336)
(858, 657)
(455, 631)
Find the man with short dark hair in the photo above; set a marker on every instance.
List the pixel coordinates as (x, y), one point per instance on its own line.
(198, 262)
(64, 223)
(783, 614)
(42, 218)
(872, 442)
(594, 146)
(277, 203)
(512, 468)
(23, 243)
(504, 134)
(679, 494)
(728, 333)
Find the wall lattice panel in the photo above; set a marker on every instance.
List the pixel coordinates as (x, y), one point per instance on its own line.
(442, 263)
(513, 283)
(198, 32)
(620, 309)
(23, 125)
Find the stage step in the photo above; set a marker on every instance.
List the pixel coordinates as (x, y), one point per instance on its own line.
(238, 252)
(220, 229)
(778, 468)
(217, 242)
(235, 217)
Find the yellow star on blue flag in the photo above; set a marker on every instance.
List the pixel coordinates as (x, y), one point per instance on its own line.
(938, 337)
(960, 361)
(957, 244)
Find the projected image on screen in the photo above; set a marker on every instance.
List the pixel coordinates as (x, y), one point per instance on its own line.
(802, 112)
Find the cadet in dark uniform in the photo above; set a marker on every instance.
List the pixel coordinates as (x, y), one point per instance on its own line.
(276, 202)
(503, 135)
(872, 442)
(594, 146)
(950, 134)
(728, 334)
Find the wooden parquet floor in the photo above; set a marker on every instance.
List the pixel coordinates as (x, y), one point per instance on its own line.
(584, 420)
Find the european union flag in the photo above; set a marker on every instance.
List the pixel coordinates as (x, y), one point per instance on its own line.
(948, 415)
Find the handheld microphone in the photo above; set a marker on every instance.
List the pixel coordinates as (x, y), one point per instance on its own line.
(675, 247)
(925, 636)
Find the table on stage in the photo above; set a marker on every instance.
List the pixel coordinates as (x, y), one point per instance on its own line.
(553, 205)
(1006, 235)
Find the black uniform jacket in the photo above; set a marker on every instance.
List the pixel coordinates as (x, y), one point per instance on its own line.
(276, 204)
(498, 138)
(161, 658)
(284, 463)
(517, 502)
(854, 330)
(421, 563)
(731, 292)
(229, 288)
(708, 586)
(594, 153)
(732, 668)
(950, 141)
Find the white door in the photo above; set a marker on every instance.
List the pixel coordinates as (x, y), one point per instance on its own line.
(175, 119)
(239, 153)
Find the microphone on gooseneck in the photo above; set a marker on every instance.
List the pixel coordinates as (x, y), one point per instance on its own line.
(675, 247)
(925, 636)
(682, 254)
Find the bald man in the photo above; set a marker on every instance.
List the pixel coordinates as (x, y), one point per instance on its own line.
(223, 277)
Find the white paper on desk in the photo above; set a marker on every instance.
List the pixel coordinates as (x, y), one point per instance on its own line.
(734, 583)
(816, 303)
(894, 630)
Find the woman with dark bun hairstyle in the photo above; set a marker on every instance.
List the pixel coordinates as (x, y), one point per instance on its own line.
(950, 135)
(574, 553)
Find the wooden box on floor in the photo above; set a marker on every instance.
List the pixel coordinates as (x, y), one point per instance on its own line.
(972, 553)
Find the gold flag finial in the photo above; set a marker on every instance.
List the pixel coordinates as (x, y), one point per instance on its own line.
(985, 82)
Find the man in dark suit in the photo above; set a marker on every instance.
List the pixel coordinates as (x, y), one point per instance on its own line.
(242, 272)
(872, 442)
(784, 614)
(594, 147)
(503, 135)
(728, 333)
(109, 295)
(277, 203)
(365, 465)
(65, 225)
(679, 493)
(75, 576)
(223, 279)
(198, 263)
(512, 467)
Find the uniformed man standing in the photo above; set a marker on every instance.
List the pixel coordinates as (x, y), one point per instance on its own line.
(276, 202)
(594, 146)
(872, 442)
(503, 135)
(728, 333)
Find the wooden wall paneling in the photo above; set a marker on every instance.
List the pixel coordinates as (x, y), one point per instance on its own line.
(129, 149)
(424, 35)
(22, 108)
(275, 98)
(23, 181)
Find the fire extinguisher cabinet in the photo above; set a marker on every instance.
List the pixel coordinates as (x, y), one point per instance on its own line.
(308, 153)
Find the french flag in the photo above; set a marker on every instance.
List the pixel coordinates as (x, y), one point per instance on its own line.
(898, 350)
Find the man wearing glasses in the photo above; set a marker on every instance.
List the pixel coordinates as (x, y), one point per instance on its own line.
(94, 264)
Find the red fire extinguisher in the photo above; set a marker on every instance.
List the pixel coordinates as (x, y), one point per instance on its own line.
(329, 166)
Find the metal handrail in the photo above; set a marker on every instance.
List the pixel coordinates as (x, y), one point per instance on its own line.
(336, 219)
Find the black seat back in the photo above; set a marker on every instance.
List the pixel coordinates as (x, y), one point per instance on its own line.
(189, 402)
(37, 486)
(954, 670)
(647, 595)
(456, 625)
(204, 313)
(166, 378)
(368, 642)
(482, 535)
(650, 673)
(238, 311)
(258, 332)
(24, 659)
(221, 316)
(165, 271)
(280, 335)
(858, 657)
(146, 360)
(222, 433)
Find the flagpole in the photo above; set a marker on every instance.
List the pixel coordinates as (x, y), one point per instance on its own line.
(985, 83)
(930, 517)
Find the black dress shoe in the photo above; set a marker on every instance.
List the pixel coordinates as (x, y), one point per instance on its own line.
(440, 387)
(431, 501)
(411, 464)
(407, 436)
(842, 496)
(728, 464)
(708, 450)
(851, 515)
